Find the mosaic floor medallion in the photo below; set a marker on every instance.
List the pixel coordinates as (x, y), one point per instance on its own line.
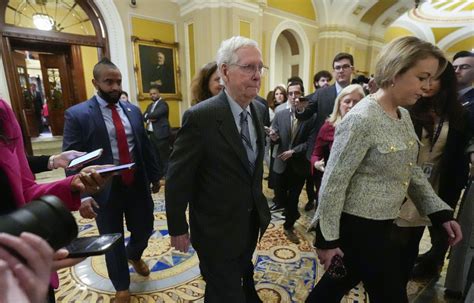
(284, 272)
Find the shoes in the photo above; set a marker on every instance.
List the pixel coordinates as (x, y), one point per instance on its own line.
(276, 207)
(140, 267)
(122, 296)
(309, 206)
(425, 271)
(291, 236)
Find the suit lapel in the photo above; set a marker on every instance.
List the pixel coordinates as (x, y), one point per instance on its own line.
(102, 135)
(258, 124)
(227, 128)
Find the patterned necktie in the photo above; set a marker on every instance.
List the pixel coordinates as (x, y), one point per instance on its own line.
(124, 153)
(294, 127)
(245, 136)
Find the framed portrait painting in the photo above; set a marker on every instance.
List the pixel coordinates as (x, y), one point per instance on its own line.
(157, 66)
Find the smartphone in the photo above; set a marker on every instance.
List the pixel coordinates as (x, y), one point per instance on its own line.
(92, 246)
(116, 168)
(81, 160)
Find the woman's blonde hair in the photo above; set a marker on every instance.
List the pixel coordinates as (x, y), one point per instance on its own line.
(336, 117)
(400, 55)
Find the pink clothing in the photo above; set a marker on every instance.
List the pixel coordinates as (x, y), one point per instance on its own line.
(325, 138)
(14, 164)
(45, 110)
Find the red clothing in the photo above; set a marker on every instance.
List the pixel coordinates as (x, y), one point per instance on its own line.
(325, 138)
(15, 166)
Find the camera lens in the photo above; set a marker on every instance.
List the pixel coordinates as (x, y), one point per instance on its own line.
(46, 217)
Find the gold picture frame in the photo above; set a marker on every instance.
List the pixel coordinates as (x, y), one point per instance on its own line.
(156, 64)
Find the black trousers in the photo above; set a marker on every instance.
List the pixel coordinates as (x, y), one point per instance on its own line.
(369, 256)
(231, 280)
(138, 212)
(408, 239)
(289, 186)
(310, 192)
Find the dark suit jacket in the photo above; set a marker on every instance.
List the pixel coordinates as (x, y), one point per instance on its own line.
(467, 100)
(298, 162)
(37, 102)
(209, 170)
(85, 130)
(321, 103)
(454, 163)
(161, 126)
(266, 117)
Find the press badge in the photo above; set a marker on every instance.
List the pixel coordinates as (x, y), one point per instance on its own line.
(427, 168)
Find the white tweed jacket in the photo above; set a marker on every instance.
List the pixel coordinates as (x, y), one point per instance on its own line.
(371, 168)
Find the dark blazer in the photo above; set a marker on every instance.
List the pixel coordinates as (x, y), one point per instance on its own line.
(454, 166)
(321, 103)
(85, 130)
(37, 102)
(209, 170)
(298, 162)
(266, 117)
(161, 126)
(467, 101)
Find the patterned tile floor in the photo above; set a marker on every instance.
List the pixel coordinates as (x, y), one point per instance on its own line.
(284, 272)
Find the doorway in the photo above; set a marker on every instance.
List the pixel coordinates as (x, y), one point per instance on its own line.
(41, 45)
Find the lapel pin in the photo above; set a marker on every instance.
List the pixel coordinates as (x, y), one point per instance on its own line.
(128, 108)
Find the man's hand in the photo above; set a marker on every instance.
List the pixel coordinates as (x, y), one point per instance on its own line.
(286, 155)
(319, 165)
(62, 160)
(180, 242)
(60, 259)
(87, 208)
(155, 187)
(454, 232)
(301, 103)
(325, 256)
(271, 133)
(89, 181)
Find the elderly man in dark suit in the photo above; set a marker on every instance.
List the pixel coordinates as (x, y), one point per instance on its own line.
(216, 167)
(158, 127)
(105, 122)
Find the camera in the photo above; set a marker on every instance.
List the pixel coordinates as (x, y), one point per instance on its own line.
(46, 217)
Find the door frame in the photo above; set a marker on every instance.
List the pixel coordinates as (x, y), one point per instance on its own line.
(10, 34)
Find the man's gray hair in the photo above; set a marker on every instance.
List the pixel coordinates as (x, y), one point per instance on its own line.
(226, 53)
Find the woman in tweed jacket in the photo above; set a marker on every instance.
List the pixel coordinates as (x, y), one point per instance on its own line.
(371, 168)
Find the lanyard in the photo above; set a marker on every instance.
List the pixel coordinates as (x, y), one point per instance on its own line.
(437, 133)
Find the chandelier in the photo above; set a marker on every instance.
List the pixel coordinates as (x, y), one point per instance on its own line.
(43, 21)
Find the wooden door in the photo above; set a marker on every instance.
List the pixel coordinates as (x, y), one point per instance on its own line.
(27, 113)
(57, 89)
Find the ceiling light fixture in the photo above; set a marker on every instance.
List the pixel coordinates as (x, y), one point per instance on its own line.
(43, 22)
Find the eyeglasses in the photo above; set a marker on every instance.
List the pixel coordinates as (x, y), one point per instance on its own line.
(251, 69)
(296, 93)
(462, 66)
(342, 67)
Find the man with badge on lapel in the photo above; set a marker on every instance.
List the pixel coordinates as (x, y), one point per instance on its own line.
(117, 127)
(216, 167)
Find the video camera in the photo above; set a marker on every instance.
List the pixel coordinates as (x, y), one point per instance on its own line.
(46, 217)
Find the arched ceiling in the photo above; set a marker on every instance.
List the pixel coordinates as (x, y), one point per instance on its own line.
(446, 23)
